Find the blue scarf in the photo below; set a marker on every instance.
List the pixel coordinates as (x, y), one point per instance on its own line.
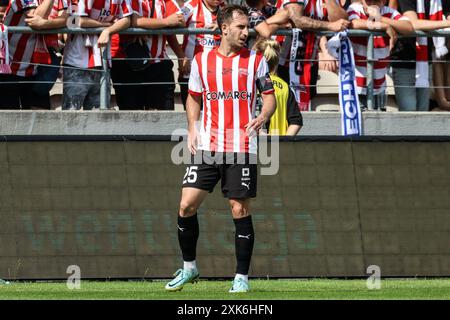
(348, 95)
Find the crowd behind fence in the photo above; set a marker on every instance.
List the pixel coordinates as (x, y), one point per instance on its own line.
(106, 77)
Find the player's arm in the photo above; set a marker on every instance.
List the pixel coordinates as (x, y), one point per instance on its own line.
(300, 21)
(193, 105)
(294, 117)
(267, 110)
(265, 87)
(193, 115)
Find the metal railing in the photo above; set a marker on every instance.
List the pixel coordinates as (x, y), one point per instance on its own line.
(105, 80)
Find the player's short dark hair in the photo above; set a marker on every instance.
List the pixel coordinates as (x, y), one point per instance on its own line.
(226, 13)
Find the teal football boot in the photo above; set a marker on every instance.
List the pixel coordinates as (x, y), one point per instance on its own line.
(239, 285)
(181, 278)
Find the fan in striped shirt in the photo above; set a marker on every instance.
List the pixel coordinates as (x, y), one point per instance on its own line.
(150, 15)
(375, 16)
(26, 51)
(83, 52)
(197, 14)
(154, 65)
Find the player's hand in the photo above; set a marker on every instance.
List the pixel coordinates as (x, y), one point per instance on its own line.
(392, 37)
(192, 141)
(103, 39)
(253, 127)
(339, 25)
(175, 20)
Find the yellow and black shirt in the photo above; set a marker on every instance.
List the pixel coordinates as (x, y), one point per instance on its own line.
(287, 111)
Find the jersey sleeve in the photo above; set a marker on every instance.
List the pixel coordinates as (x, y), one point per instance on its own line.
(355, 11)
(125, 9)
(293, 112)
(195, 81)
(263, 81)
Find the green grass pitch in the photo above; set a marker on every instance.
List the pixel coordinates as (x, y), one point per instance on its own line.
(216, 290)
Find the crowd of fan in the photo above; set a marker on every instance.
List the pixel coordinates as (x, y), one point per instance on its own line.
(142, 73)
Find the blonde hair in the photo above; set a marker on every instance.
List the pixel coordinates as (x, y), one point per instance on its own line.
(271, 51)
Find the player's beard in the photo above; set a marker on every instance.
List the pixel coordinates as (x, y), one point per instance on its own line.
(238, 44)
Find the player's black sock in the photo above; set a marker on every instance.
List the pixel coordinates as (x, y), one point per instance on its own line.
(188, 236)
(244, 240)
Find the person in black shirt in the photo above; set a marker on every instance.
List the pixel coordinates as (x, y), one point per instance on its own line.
(408, 96)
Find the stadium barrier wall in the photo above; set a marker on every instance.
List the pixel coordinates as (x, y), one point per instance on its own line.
(338, 205)
(27, 122)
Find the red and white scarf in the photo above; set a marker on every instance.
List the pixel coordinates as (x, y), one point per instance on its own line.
(435, 14)
(4, 50)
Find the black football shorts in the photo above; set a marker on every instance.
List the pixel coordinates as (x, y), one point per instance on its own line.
(238, 177)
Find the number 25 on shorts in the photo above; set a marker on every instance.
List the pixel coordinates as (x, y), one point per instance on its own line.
(191, 175)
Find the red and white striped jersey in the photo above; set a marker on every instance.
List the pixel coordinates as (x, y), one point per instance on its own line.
(163, 9)
(25, 49)
(82, 50)
(197, 15)
(228, 86)
(381, 50)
